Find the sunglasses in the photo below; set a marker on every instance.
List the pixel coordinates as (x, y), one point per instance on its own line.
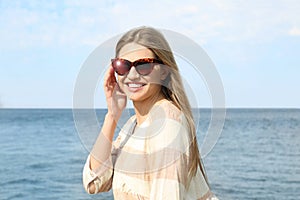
(143, 66)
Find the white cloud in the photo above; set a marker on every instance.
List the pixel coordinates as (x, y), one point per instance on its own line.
(77, 23)
(294, 31)
(187, 10)
(232, 27)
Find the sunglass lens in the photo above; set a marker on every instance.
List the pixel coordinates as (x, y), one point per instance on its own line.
(121, 66)
(144, 68)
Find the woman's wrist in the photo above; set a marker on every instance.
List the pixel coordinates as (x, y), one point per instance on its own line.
(109, 125)
(112, 116)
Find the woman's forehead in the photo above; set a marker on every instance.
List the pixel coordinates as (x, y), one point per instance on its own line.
(135, 50)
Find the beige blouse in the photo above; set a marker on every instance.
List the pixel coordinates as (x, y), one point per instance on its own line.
(150, 161)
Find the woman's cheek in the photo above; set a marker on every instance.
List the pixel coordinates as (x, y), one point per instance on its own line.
(121, 83)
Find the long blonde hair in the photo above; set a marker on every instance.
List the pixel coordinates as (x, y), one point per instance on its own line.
(172, 88)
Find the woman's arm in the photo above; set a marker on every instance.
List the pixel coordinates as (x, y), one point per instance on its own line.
(102, 147)
(101, 151)
(100, 157)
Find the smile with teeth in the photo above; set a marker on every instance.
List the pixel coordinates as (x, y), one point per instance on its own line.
(135, 85)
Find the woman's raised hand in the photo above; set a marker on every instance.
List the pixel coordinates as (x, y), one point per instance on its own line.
(116, 100)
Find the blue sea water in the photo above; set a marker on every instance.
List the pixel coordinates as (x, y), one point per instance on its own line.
(256, 157)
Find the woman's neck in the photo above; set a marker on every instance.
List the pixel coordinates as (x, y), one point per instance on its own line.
(142, 108)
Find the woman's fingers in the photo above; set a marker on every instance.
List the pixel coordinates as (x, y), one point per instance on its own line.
(109, 79)
(115, 98)
(109, 76)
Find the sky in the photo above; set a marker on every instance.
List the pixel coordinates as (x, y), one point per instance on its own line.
(255, 46)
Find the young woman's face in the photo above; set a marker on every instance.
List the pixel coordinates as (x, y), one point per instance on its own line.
(140, 87)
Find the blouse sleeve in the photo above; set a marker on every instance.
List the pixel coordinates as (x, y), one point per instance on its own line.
(101, 177)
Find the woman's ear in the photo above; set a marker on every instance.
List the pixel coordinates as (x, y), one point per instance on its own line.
(164, 72)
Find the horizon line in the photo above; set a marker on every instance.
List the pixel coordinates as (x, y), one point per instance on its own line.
(65, 108)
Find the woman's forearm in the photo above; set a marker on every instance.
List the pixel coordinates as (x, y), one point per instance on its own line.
(102, 147)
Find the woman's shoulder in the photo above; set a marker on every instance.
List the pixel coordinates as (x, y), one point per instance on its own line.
(167, 110)
(168, 128)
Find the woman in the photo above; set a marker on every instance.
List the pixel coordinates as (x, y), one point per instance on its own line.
(155, 155)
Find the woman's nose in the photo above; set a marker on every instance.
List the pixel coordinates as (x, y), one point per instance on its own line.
(133, 74)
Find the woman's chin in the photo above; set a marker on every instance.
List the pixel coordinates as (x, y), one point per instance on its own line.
(135, 94)
(134, 97)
